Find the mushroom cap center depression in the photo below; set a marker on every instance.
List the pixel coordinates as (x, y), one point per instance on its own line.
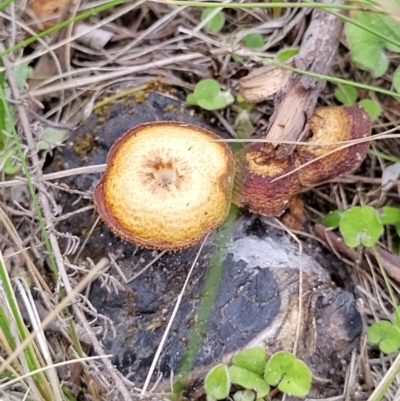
(165, 173)
(169, 184)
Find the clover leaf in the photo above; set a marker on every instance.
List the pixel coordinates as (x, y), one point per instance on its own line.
(287, 54)
(368, 49)
(216, 23)
(11, 166)
(371, 107)
(290, 374)
(248, 380)
(208, 95)
(251, 359)
(386, 335)
(206, 88)
(253, 41)
(345, 94)
(389, 215)
(218, 382)
(360, 226)
(332, 219)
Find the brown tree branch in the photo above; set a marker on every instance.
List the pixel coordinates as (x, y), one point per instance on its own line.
(296, 95)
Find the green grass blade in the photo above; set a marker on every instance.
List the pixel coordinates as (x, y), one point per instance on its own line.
(216, 269)
(6, 3)
(22, 330)
(5, 328)
(335, 80)
(31, 188)
(265, 5)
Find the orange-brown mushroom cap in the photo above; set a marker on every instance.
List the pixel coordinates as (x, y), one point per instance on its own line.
(257, 182)
(334, 124)
(166, 185)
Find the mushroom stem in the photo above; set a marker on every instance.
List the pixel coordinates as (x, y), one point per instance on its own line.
(257, 184)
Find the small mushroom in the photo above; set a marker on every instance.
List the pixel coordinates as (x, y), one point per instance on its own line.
(333, 124)
(257, 184)
(265, 184)
(166, 185)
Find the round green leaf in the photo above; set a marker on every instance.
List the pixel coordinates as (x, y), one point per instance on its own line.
(389, 215)
(365, 47)
(253, 41)
(252, 359)
(371, 107)
(345, 94)
(360, 226)
(206, 89)
(332, 219)
(396, 79)
(290, 374)
(391, 29)
(216, 103)
(287, 54)
(216, 23)
(385, 335)
(218, 382)
(11, 167)
(297, 379)
(191, 99)
(248, 380)
(276, 366)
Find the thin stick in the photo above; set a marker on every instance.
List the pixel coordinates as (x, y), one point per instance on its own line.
(146, 267)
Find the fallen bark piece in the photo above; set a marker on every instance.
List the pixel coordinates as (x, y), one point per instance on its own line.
(263, 82)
